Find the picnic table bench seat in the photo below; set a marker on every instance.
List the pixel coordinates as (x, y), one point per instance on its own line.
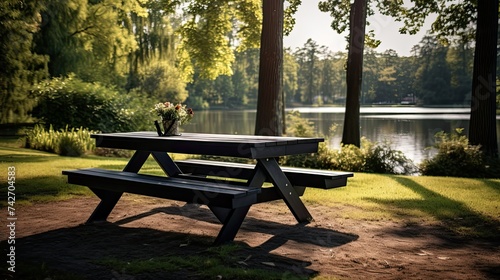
(298, 177)
(181, 189)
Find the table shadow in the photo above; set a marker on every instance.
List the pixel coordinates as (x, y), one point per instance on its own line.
(83, 251)
(281, 233)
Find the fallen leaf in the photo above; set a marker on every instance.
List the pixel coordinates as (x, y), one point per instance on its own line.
(424, 253)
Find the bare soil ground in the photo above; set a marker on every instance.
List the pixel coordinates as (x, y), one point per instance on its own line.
(337, 248)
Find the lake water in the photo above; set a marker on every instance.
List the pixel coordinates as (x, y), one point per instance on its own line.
(408, 129)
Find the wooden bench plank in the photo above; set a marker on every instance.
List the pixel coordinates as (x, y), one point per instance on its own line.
(182, 189)
(302, 177)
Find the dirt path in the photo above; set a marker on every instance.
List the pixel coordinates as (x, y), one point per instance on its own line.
(346, 249)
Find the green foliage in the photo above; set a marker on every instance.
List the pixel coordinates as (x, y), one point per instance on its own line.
(197, 103)
(340, 11)
(298, 126)
(68, 142)
(164, 82)
(457, 158)
(87, 37)
(372, 158)
(71, 102)
(207, 34)
(20, 66)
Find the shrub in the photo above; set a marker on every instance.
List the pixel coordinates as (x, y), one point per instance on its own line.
(298, 126)
(456, 157)
(70, 146)
(373, 158)
(67, 142)
(71, 102)
(111, 152)
(197, 103)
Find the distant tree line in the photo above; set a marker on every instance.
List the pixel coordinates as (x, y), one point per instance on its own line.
(434, 74)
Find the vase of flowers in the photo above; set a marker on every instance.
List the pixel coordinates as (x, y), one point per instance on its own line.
(172, 116)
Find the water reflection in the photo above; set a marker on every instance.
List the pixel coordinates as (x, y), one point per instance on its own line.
(411, 133)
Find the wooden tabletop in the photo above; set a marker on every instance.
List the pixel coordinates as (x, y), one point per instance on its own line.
(233, 145)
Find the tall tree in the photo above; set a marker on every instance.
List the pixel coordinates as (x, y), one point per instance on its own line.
(460, 59)
(327, 85)
(290, 69)
(308, 58)
(21, 68)
(433, 77)
(351, 134)
(482, 128)
(269, 120)
(353, 15)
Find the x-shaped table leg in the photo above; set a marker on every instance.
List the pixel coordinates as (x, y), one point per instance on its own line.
(272, 169)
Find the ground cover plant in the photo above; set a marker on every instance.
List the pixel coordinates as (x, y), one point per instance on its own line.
(465, 209)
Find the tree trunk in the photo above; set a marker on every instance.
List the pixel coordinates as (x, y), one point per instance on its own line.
(351, 134)
(482, 126)
(269, 120)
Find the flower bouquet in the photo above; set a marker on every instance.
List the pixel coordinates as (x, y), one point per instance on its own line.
(172, 116)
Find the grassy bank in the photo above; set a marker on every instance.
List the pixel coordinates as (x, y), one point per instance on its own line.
(468, 207)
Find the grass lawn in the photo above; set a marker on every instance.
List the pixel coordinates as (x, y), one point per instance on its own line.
(469, 207)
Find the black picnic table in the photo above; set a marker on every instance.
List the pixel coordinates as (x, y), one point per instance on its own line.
(229, 201)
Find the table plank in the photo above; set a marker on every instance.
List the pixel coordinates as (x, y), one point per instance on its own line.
(247, 146)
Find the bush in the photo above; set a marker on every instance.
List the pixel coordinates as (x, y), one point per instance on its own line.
(457, 158)
(70, 146)
(373, 158)
(71, 102)
(67, 142)
(298, 126)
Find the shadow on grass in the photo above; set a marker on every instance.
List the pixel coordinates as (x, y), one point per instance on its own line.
(107, 250)
(454, 215)
(493, 186)
(26, 158)
(44, 188)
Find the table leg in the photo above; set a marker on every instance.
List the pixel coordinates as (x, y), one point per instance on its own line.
(290, 196)
(104, 208)
(109, 198)
(232, 220)
(137, 161)
(166, 163)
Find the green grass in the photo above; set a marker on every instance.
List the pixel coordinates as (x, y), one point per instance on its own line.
(468, 207)
(38, 174)
(422, 197)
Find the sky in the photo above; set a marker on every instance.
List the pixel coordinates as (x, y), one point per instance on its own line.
(311, 23)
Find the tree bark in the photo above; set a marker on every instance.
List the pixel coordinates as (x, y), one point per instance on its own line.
(269, 119)
(351, 134)
(482, 125)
